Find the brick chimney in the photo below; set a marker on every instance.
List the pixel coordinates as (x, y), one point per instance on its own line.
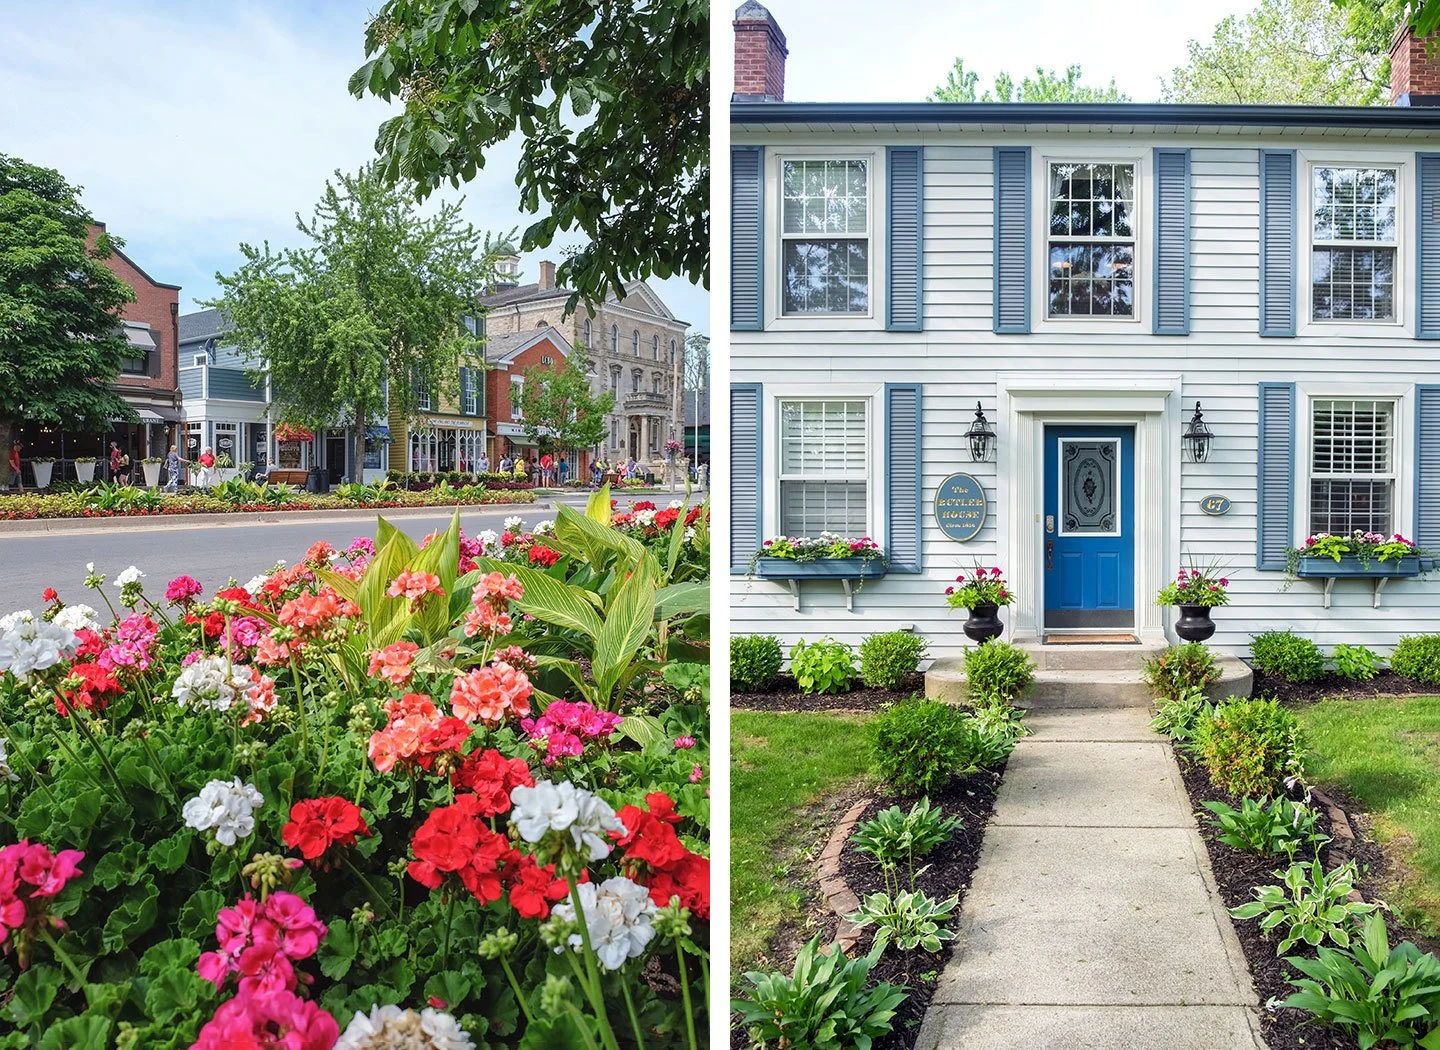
(547, 275)
(759, 55)
(1414, 72)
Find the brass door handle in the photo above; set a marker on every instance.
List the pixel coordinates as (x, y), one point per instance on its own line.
(1049, 555)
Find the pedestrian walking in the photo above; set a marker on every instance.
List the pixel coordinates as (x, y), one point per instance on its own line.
(483, 466)
(114, 462)
(16, 481)
(207, 468)
(547, 464)
(506, 464)
(564, 469)
(172, 469)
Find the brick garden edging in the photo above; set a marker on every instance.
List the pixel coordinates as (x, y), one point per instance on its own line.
(1342, 834)
(839, 898)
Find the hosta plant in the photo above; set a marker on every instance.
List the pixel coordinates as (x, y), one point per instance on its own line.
(907, 920)
(826, 1003)
(1267, 826)
(1180, 717)
(893, 835)
(1310, 906)
(360, 795)
(1383, 996)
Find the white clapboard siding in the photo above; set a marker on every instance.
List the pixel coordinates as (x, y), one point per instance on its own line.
(1221, 361)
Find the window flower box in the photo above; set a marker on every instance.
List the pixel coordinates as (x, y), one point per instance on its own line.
(1350, 567)
(820, 569)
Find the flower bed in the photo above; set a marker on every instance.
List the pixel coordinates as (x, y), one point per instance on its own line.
(456, 789)
(99, 502)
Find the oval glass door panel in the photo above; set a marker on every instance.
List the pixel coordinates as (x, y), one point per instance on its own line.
(1090, 562)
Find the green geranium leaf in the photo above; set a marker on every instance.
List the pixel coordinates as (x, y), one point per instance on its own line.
(168, 855)
(119, 866)
(133, 917)
(174, 992)
(106, 1000)
(34, 992)
(177, 954)
(86, 1032)
(450, 986)
(556, 1033)
(337, 951)
(197, 917)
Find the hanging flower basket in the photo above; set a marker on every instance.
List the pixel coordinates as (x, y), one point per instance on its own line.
(293, 432)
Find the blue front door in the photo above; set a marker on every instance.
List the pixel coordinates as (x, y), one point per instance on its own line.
(1089, 527)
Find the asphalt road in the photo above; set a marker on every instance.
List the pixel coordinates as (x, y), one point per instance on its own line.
(211, 554)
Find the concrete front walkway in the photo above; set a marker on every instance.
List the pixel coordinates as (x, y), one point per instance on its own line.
(1092, 919)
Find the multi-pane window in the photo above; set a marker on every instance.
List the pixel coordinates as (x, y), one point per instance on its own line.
(517, 393)
(614, 338)
(468, 401)
(635, 342)
(1352, 466)
(1352, 255)
(672, 351)
(422, 394)
(654, 348)
(825, 236)
(1091, 240)
(824, 468)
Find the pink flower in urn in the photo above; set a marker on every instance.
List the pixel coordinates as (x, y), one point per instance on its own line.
(1224, 582)
(949, 590)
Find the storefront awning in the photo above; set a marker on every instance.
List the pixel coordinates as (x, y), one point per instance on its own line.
(139, 338)
(377, 433)
(146, 416)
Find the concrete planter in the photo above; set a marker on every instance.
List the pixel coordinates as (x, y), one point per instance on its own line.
(152, 474)
(1349, 566)
(85, 472)
(43, 472)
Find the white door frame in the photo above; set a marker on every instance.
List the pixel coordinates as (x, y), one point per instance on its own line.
(1026, 403)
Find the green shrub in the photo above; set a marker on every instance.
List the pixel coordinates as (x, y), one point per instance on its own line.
(1250, 747)
(1383, 996)
(1265, 827)
(886, 660)
(1179, 717)
(893, 835)
(920, 744)
(997, 672)
(754, 662)
(908, 919)
(1179, 668)
(1310, 906)
(826, 1004)
(1355, 662)
(1417, 656)
(1287, 656)
(823, 666)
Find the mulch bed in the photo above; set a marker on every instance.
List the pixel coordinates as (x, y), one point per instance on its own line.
(1333, 687)
(786, 696)
(970, 798)
(1238, 873)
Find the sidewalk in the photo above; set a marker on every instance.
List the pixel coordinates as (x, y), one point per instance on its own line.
(1092, 920)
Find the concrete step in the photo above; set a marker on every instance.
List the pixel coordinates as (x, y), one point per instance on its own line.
(1088, 656)
(1117, 686)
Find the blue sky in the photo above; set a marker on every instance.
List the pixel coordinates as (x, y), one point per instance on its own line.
(860, 51)
(195, 126)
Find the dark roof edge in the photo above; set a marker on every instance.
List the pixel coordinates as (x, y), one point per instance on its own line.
(1421, 117)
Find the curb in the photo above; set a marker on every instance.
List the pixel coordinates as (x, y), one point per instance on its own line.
(838, 896)
(127, 522)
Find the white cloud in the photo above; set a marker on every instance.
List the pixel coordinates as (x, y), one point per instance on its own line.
(194, 127)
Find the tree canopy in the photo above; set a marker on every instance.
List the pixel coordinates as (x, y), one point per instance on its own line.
(61, 345)
(611, 100)
(962, 85)
(375, 300)
(559, 410)
(1302, 52)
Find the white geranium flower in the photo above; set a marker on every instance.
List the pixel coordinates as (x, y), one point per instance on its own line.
(689, 536)
(77, 618)
(489, 540)
(19, 616)
(514, 523)
(206, 683)
(676, 504)
(545, 528)
(563, 807)
(30, 645)
(645, 517)
(227, 806)
(391, 1028)
(619, 915)
(254, 584)
(6, 773)
(129, 577)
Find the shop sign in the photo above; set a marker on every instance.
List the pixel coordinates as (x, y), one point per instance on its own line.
(961, 507)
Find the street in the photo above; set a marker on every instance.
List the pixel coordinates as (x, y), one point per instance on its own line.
(209, 553)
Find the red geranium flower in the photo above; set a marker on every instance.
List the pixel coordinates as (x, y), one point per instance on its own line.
(543, 555)
(455, 840)
(492, 776)
(317, 824)
(49, 595)
(533, 888)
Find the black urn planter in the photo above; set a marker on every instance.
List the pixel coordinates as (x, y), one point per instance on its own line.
(984, 624)
(1194, 624)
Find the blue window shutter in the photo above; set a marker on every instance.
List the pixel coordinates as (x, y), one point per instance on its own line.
(1172, 242)
(1274, 512)
(746, 520)
(1427, 276)
(905, 222)
(1277, 242)
(1012, 239)
(747, 239)
(903, 518)
(1427, 467)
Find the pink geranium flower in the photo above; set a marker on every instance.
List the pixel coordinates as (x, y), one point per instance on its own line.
(182, 590)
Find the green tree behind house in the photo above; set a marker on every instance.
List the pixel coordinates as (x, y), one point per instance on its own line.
(375, 297)
(559, 410)
(963, 85)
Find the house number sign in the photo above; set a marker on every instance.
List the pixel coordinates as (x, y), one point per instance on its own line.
(961, 507)
(1215, 505)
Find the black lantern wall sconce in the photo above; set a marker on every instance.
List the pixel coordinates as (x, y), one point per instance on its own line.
(981, 436)
(1198, 438)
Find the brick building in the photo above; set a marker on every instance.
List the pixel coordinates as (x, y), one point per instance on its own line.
(636, 348)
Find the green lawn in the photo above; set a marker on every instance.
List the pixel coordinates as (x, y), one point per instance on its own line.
(781, 764)
(1385, 754)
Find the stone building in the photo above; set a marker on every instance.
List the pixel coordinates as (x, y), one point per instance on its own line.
(636, 348)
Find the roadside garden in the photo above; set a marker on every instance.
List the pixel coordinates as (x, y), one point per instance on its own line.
(842, 923)
(455, 793)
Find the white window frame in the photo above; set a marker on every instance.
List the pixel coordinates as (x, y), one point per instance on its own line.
(469, 401)
(1306, 163)
(1306, 394)
(517, 391)
(200, 360)
(877, 480)
(874, 318)
(1065, 153)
